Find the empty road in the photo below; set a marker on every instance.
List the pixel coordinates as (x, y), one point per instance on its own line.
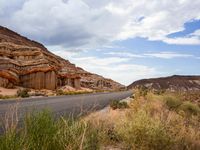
(62, 105)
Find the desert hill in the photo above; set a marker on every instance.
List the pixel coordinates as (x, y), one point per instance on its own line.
(29, 64)
(173, 83)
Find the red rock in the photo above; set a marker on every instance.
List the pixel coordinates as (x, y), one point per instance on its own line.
(29, 64)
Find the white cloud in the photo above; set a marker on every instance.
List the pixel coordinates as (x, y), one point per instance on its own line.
(163, 55)
(196, 33)
(183, 41)
(112, 67)
(88, 23)
(125, 54)
(65, 52)
(191, 39)
(117, 68)
(70, 26)
(168, 55)
(100, 61)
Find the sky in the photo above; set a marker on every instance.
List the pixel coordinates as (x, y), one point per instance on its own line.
(125, 40)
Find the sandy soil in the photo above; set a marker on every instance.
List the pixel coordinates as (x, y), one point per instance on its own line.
(12, 92)
(8, 92)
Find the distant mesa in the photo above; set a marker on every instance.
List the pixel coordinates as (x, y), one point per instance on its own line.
(172, 83)
(29, 64)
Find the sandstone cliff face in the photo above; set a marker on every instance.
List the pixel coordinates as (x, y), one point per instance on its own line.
(29, 64)
(173, 83)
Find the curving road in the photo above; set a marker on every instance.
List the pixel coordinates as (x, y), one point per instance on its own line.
(63, 105)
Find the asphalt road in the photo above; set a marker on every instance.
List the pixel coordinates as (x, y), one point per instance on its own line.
(62, 105)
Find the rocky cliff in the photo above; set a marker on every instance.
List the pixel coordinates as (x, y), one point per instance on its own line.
(29, 64)
(172, 83)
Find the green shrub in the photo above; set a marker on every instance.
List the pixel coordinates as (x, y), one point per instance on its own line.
(23, 93)
(172, 102)
(190, 108)
(115, 104)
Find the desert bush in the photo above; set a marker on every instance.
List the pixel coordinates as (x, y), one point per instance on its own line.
(140, 131)
(190, 108)
(116, 104)
(23, 93)
(172, 102)
(143, 91)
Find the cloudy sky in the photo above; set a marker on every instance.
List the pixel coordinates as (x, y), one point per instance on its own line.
(124, 40)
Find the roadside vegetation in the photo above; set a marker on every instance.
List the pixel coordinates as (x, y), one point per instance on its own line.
(41, 132)
(151, 120)
(61, 92)
(116, 104)
(7, 96)
(23, 93)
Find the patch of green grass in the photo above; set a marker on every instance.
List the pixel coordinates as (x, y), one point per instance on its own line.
(41, 132)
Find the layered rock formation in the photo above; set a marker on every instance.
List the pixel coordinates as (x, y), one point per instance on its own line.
(172, 83)
(29, 64)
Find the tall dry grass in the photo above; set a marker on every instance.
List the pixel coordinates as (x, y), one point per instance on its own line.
(152, 121)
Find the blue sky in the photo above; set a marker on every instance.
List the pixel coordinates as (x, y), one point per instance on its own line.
(123, 40)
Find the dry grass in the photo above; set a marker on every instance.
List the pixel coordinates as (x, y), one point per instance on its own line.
(182, 127)
(148, 123)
